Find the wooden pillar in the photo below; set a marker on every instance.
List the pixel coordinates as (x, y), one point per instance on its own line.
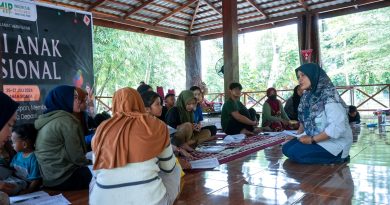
(230, 43)
(308, 37)
(193, 61)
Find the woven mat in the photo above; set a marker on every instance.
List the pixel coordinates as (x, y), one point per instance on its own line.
(237, 150)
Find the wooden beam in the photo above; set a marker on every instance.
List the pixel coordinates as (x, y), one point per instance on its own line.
(125, 27)
(354, 9)
(96, 4)
(251, 24)
(162, 29)
(257, 7)
(164, 7)
(211, 5)
(230, 44)
(136, 9)
(304, 5)
(175, 11)
(252, 29)
(193, 17)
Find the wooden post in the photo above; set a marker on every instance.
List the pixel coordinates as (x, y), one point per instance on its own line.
(308, 37)
(230, 43)
(193, 61)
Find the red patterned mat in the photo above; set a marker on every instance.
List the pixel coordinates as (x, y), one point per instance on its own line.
(237, 150)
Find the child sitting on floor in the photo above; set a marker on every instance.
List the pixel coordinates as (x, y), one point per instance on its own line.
(152, 102)
(24, 162)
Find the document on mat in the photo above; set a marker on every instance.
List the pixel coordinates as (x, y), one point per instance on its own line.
(293, 133)
(46, 200)
(204, 163)
(171, 130)
(24, 197)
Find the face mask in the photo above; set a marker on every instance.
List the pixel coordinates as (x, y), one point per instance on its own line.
(272, 97)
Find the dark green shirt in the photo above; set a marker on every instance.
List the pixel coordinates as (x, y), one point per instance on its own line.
(228, 107)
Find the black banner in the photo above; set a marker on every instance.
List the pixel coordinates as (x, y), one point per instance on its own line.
(36, 56)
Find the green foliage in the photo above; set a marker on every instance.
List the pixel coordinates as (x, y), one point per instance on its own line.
(124, 58)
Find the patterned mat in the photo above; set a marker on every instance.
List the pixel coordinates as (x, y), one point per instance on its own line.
(237, 150)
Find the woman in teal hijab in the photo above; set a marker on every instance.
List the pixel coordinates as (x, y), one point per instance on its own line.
(323, 118)
(181, 117)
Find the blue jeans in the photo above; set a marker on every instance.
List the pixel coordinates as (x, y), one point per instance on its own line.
(309, 153)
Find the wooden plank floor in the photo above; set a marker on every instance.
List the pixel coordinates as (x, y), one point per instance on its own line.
(267, 177)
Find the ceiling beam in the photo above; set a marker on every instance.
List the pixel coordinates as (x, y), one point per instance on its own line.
(114, 25)
(252, 29)
(136, 9)
(355, 9)
(162, 29)
(175, 11)
(258, 8)
(96, 4)
(211, 5)
(193, 17)
(304, 5)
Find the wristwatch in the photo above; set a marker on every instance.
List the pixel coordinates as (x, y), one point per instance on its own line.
(312, 140)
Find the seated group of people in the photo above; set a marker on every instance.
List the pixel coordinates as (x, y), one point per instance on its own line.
(134, 158)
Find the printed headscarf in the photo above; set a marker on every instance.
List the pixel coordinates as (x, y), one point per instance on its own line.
(313, 101)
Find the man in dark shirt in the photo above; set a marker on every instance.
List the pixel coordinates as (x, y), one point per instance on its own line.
(353, 115)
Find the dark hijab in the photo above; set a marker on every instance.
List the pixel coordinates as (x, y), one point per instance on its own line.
(60, 98)
(143, 88)
(296, 99)
(8, 108)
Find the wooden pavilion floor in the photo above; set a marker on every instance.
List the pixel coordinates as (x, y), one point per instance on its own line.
(267, 177)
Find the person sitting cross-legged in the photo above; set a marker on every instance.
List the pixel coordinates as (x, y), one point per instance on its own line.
(236, 118)
(323, 117)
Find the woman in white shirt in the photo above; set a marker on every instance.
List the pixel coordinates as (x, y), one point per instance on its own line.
(323, 117)
(133, 157)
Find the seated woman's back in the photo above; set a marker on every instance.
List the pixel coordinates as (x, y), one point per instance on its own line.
(60, 148)
(133, 159)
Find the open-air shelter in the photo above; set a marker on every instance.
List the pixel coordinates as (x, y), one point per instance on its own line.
(197, 20)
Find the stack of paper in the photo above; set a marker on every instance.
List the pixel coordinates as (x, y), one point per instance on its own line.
(204, 163)
(234, 138)
(210, 149)
(41, 198)
(294, 133)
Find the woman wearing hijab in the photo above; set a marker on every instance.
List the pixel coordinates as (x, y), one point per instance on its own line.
(292, 103)
(273, 115)
(323, 117)
(181, 117)
(60, 148)
(8, 184)
(133, 158)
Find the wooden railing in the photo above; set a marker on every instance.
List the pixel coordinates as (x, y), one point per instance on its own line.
(364, 97)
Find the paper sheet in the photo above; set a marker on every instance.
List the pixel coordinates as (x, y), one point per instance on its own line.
(272, 134)
(204, 163)
(89, 155)
(171, 130)
(24, 197)
(234, 138)
(46, 200)
(293, 133)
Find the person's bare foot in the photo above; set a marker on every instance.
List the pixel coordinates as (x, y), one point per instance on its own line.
(185, 154)
(247, 132)
(187, 147)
